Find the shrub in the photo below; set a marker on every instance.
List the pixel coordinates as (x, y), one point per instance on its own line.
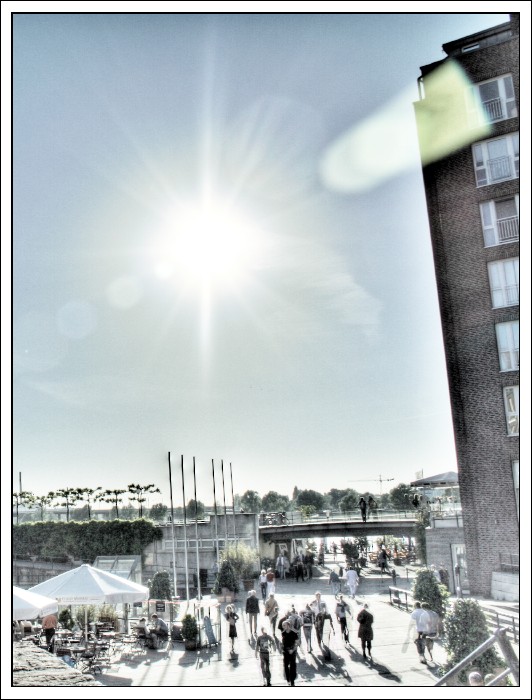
(427, 590)
(160, 587)
(226, 578)
(243, 559)
(189, 629)
(466, 629)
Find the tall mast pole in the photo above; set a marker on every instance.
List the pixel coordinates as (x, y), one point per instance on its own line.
(185, 528)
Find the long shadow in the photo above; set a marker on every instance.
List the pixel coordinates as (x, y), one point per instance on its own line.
(327, 667)
(108, 679)
(381, 669)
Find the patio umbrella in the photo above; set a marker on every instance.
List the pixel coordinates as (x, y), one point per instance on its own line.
(445, 479)
(87, 585)
(28, 604)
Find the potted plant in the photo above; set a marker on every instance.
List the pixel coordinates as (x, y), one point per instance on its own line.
(189, 631)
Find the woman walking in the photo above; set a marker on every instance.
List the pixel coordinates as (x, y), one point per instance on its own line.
(263, 584)
(308, 622)
(232, 617)
(365, 630)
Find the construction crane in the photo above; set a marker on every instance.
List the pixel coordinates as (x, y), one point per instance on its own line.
(380, 480)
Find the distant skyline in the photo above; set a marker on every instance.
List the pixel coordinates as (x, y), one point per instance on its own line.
(191, 275)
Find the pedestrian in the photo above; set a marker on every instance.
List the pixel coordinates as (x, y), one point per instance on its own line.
(279, 566)
(429, 622)
(252, 609)
(296, 623)
(327, 627)
(286, 564)
(351, 578)
(282, 620)
(232, 618)
(334, 582)
(363, 508)
(289, 640)
(475, 678)
(315, 605)
(300, 571)
(308, 618)
(372, 505)
(271, 610)
(270, 581)
(415, 617)
(365, 630)
(335, 550)
(308, 561)
(49, 625)
(264, 643)
(263, 585)
(342, 608)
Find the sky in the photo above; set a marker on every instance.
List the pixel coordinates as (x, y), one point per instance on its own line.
(199, 267)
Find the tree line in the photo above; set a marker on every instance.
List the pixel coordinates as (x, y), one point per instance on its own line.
(80, 502)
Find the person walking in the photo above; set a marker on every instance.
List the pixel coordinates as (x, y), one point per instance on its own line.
(342, 608)
(296, 623)
(365, 629)
(326, 627)
(334, 582)
(264, 643)
(279, 566)
(363, 508)
(415, 618)
(335, 550)
(270, 581)
(300, 571)
(252, 609)
(308, 618)
(289, 641)
(372, 505)
(351, 578)
(308, 561)
(429, 622)
(49, 625)
(271, 610)
(263, 584)
(232, 618)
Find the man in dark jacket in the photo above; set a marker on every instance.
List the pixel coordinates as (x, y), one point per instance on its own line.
(252, 609)
(289, 638)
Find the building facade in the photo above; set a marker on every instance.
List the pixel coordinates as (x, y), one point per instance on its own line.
(468, 130)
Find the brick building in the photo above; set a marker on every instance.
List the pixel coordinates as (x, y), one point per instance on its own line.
(468, 130)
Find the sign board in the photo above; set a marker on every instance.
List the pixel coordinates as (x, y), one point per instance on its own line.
(137, 605)
(160, 606)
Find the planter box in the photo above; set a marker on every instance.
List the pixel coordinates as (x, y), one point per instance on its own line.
(190, 644)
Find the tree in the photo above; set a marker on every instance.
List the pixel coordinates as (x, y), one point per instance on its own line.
(160, 587)
(401, 497)
(308, 497)
(69, 498)
(243, 559)
(113, 496)
(466, 629)
(349, 501)
(226, 578)
(336, 496)
(90, 496)
(422, 523)
(138, 494)
(306, 511)
(251, 502)
(427, 590)
(158, 512)
(274, 502)
(21, 498)
(191, 509)
(42, 502)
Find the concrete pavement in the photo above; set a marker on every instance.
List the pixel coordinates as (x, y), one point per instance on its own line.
(395, 660)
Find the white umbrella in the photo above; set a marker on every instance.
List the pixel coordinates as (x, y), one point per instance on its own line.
(87, 585)
(28, 604)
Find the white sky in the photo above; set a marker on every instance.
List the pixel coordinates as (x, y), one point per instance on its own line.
(317, 359)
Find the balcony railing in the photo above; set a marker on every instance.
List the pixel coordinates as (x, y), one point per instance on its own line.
(500, 168)
(508, 228)
(493, 109)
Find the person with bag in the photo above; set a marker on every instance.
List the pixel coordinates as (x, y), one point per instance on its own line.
(271, 610)
(308, 622)
(232, 618)
(365, 629)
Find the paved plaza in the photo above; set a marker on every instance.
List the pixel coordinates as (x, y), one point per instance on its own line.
(395, 660)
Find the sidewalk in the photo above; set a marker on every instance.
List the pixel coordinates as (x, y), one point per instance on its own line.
(395, 659)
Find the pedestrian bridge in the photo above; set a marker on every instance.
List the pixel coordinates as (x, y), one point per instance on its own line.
(277, 527)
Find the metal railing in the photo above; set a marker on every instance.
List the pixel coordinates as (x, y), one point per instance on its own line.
(493, 109)
(500, 168)
(395, 596)
(297, 518)
(508, 228)
(499, 637)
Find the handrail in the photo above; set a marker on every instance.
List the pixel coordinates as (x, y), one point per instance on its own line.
(499, 637)
(396, 598)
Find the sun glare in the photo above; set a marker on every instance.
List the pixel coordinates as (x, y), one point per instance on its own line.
(214, 245)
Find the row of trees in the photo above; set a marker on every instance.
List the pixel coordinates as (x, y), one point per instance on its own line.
(80, 502)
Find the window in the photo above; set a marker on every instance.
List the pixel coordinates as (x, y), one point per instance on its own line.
(491, 101)
(504, 282)
(511, 407)
(508, 343)
(515, 474)
(500, 220)
(496, 160)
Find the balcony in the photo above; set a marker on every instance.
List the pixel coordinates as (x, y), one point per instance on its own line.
(493, 110)
(500, 168)
(508, 228)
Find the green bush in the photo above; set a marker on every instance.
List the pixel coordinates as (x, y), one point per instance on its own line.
(466, 628)
(226, 578)
(243, 559)
(427, 590)
(189, 629)
(160, 587)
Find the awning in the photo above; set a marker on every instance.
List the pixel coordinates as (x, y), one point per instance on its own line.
(445, 479)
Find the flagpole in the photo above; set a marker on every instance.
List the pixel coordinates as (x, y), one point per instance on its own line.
(233, 497)
(225, 508)
(173, 526)
(185, 528)
(197, 541)
(215, 515)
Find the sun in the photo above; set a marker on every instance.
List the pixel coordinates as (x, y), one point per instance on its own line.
(208, 244)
